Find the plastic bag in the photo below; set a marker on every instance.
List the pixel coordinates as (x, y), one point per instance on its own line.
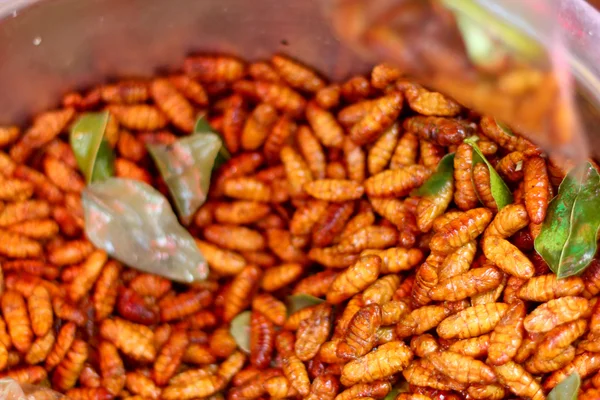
(12, 390)
(503, 58)
(135, 224)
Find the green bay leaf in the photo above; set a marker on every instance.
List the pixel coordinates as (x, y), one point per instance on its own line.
(186, 167)
(297, 302)
(135, 224)
(567, 389)
(94, 156)
(240, 330)
(443, 176)
(568, 238)
(501, 193)
(203, 126)
(504, 127)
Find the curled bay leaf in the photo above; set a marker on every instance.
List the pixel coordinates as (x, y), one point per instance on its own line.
(297, 302)
(504, 127)
(203, 126)
(501, 193)
(568, 238)
(94, 156)
(240, 330)
(567, 389)
(186, 166)
(400, 387)
(443, 176)
(134, 223)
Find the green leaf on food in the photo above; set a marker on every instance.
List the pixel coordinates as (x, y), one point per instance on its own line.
(186, 167)
(567, 389)
(297, 302)
(443, 176)
(400, 387)
(240, 330)
(135, 224)
(501, 193)
(504, 127)
(94, 156)
(568, 238)
(202, 126)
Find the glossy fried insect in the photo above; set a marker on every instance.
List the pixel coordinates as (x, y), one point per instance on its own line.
(270, 307)
(214, 68)
(397, 259)
(555, 312)
(547, 287)
(277, 277)
(241, 212)
(495, 132)
(297, 171)
(173, 104)
(329, 96)
(263, 71)
(481, 179)
(465, 195)
(381, 153)
(370, 237)
(429, 103)
(420, 320)
(355, 159)
(441, 131)
(313, 332)
(559, 339)
(431, 207)
(239, 294)
(372, 367)
(334, 190)
(234, 237)
(296, 74)
(66, 374)
(360, 336)
(14, 311)
(477, 280)
(325, 126)
(382, 290)
(40, 349)
(40, 311)
(262, 336)
(132, 339)
(354, 279)
(90, 270)
(584, 364)
(63, 343)
(382, 114)
(396, 183)
(426, 277)
(405, 153)
(536, 185)
(125, 92)
(473, 321)
(295, 371)
(139, 117)
(508, 221)
(461, 230)
(111, 368)
(510, 166)
(461, 368)
(46, 127)
(519, 381)
(507, 335)
(257, 126)
(507, 257)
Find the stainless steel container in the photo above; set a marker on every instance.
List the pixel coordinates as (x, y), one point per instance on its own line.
(50, 46)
